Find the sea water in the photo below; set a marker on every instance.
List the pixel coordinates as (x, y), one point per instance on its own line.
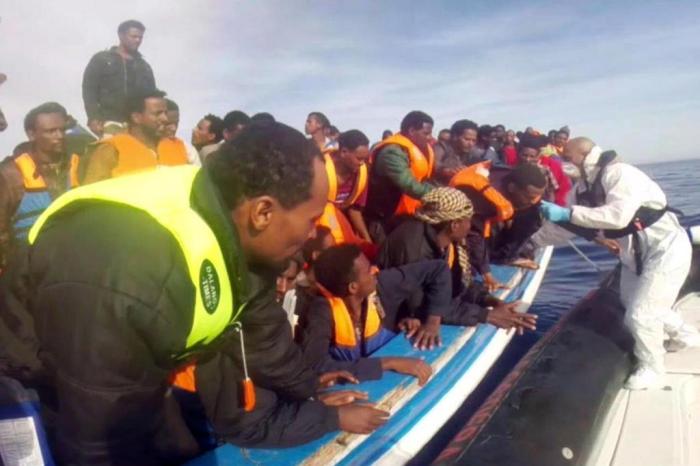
(569, 277)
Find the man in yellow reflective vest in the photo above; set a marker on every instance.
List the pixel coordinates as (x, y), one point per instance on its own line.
(134, 277)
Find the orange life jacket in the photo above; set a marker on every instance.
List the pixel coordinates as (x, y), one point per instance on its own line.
(476, 177)
(172, 151)
(333, 218)
(33, 181)
(360, 182)
(345, 345)
(450, 256)
(36, 197)
(343, 327)
(421, 166)
(136, 156)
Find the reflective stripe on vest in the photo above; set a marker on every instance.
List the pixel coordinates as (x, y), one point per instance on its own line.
(133, 155)
(36, 197)
(421, 166)
(358, 188)
(164, 194)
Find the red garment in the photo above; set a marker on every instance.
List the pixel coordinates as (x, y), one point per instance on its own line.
(346, 189)
(554, 165)
(510, 155)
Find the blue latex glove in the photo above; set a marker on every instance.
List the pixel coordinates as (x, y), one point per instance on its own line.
(555, 213)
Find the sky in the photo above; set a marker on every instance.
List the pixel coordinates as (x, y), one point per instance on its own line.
(625, 74)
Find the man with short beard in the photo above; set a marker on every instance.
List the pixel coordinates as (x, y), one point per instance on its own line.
(138, 148)
(112, 76)
(30, 181)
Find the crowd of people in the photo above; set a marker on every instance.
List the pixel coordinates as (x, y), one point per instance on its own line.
(159, 312)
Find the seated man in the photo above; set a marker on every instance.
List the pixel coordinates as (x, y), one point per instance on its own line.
(357, 312)
(438, 231)
(524, 187)
(137, 149)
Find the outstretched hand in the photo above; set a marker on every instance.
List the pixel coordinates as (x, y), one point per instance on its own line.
(342, 397)
(427, 336)
(491, 284)
(555, 213)
(506, 316)
(409, 366)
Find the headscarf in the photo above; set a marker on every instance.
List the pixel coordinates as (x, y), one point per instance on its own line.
(444, 205)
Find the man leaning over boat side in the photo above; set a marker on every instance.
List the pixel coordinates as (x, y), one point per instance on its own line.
(438, 231)
(358, 311)
(185, 253)
(622, 203)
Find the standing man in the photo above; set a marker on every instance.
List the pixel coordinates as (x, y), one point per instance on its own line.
(112, 76)
(624, 204)
(207, 135)
(33, 179)
(315, 127)
(401, 167)
(138, 149)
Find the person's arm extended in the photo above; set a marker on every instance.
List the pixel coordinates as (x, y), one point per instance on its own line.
(315, 342)
(393, 163)
(99, 163)
(275, 361)
(358, 223)
(91, 86)
(622, 200)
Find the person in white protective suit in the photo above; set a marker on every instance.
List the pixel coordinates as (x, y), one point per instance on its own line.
(622, 203)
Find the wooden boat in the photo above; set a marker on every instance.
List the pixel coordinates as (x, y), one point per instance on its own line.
(417, 413)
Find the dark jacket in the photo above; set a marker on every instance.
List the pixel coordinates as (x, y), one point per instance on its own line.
(216, 415)
(109, 310)
(508, 241)
(414, 241)
(108, 81)
(394, 287)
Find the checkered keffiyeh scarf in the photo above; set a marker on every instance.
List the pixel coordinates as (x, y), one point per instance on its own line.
(444, 205)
